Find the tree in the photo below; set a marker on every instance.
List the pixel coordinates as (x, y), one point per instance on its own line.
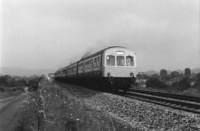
(175, 74)
(198, 77)
(139, 76)
(166, 78)
(182, 85)
(142, 75)
(155, 83)
(154, 76)
(187, 71)
(7, 83)
(163, 72)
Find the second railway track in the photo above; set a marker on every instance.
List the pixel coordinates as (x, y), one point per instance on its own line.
(181, 102)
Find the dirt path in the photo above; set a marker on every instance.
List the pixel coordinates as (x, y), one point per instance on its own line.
(8, 109)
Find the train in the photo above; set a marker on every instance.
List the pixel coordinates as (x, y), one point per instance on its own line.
(113, 69)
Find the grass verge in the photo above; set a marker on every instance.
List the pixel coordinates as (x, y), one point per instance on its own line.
(9, 94)
(59, 110)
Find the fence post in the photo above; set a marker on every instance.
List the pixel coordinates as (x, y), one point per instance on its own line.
(41, 110)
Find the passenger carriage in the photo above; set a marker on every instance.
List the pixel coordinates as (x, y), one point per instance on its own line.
(111, 68)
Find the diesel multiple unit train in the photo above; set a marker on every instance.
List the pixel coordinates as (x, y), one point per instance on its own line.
(113, 68)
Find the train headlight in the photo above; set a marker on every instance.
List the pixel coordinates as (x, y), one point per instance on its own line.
(132, 74)
(109, 74)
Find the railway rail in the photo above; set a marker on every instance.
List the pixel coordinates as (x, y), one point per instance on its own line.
(181, 102)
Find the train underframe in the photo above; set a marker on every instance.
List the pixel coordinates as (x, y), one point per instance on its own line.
(105, 83)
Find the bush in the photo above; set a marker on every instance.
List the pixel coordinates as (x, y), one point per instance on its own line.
(184, 84)
(2, 89)
(155, 83)
(197, 85)
(192, 92)
(34, 84)
(166, 78)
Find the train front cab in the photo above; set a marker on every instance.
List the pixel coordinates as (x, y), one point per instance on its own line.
(119, 68)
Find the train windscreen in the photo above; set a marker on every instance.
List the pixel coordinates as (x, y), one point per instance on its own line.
(120, 61)
(110, 60)
(129, 61)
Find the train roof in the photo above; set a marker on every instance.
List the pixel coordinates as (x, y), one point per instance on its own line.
(100, 52)
(92, 55)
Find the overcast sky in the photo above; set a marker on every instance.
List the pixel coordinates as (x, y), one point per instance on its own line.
(39, 34)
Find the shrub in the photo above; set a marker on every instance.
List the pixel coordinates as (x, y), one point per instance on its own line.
(197, 85)
(155, 83)
(182, 85)
(2, 89)
(192, 92)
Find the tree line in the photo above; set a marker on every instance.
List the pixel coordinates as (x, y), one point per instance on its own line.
(174, 81)
(14, 83)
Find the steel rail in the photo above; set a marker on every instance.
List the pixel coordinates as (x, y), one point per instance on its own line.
(173, 102)
(168, 95)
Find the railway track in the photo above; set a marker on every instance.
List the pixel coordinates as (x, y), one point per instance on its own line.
(181, 102)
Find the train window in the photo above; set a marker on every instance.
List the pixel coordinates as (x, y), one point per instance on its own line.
(129, 61)
(120, 61)
(98, 61)
(110, 60)
(91, 62)
(81, 66)
(87, 65)
(95, 64)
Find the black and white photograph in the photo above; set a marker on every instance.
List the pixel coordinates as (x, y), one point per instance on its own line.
(100, 65)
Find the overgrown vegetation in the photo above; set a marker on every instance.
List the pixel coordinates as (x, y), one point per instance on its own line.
(155, 83)
(187, 83)
(181, 85)
(9, 94)
(14, 85)
(8, 83)
(52, 108)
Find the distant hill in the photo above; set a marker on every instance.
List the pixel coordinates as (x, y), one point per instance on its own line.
(196, 70)
(24, 72)
(151, 72)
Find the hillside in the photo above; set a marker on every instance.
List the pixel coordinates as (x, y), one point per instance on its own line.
(24, 72)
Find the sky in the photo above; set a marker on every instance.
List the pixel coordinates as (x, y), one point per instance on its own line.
(50, 34)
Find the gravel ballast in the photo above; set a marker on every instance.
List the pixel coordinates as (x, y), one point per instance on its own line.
(97, 111)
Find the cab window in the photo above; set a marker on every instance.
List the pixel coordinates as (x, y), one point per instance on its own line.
(120, 61)
(129, 61)
(110, 60)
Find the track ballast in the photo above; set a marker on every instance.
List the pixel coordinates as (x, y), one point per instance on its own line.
(181, 102)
